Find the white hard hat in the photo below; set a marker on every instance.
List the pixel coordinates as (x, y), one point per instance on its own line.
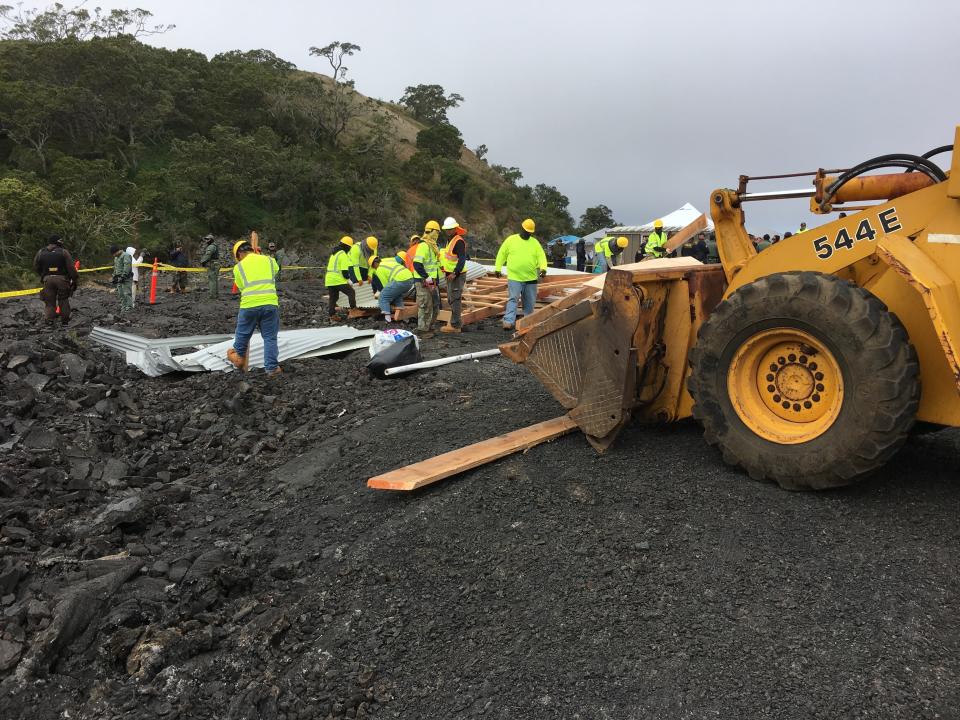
(450, 223)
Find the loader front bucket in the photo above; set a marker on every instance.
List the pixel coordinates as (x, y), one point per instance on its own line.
(604, 356)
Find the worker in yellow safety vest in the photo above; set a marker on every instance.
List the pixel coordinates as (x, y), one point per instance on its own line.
(426, 265)
(656, 246)
(256, 278)
(453, 260)
(359, 257)
(393, 280)
(526, 263)
(340, 277)
(606, 250)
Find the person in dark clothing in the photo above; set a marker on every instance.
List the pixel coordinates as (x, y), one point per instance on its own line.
(178, 258)
(59, 277)
(558, 254)
(696, 249)
(581, 255)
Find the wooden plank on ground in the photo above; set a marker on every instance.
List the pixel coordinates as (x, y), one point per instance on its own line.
(455, 462)
(354, 313)
(405, 313)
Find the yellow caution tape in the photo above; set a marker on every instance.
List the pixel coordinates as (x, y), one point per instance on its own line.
(160, 268)
(19, 293)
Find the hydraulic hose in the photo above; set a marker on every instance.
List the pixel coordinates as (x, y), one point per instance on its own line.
(930, 153)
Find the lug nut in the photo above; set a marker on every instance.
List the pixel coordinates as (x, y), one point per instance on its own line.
(813, 366)
(791, 357)
(776, 398)
(819, 387)
(807, 404)
(818, 376)
(782, 360)
(796, 407)
(803, 359)
(770, 377)
(816, 398)
(771, 388)
(786, 405)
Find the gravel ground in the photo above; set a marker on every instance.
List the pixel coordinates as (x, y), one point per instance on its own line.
(204, 546)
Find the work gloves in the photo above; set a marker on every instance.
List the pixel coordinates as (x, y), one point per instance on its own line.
(543, 273)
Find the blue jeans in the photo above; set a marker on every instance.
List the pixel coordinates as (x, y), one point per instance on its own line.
(267, 317)
(516, 290)
(393, 294)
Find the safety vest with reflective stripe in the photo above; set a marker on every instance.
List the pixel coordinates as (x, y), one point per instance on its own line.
(337, 263)
(656, 244)
(256, 277)
(428, 258)
(392, 270)
(448, 258)
(603, 246)
(357, 256)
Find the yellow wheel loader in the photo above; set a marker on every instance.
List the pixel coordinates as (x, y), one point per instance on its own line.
(808, 363)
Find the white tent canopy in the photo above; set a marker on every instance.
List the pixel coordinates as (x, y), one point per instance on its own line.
(596, 235)
(672, 222)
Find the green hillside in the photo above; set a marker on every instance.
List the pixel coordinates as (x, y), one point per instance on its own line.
(108, 139)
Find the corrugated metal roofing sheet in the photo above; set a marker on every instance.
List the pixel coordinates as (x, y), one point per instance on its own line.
(154, 357)
(124, 342)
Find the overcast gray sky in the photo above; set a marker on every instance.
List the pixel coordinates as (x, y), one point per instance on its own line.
(639, 105)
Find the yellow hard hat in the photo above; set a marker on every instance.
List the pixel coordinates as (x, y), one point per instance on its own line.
(402, 255)
(622, 242)
(528, 225)
(658, 224)
(347, 240)
(237, 245)
(431, 225)
(372, 243)
(373, 260)
(415, 239)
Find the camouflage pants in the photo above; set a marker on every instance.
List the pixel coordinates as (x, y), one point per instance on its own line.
(125, 295)
(213, 281)
(428, 305)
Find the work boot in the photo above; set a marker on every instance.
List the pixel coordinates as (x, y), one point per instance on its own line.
(426, 334)
(507, 326)
(235, 359)
(450, 329)
(276, 371)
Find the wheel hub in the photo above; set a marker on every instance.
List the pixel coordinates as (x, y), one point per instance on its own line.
(785, 385)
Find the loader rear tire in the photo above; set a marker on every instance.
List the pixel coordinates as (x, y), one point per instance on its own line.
(804, 379)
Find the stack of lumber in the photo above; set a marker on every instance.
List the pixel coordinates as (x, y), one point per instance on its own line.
(485, 296)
